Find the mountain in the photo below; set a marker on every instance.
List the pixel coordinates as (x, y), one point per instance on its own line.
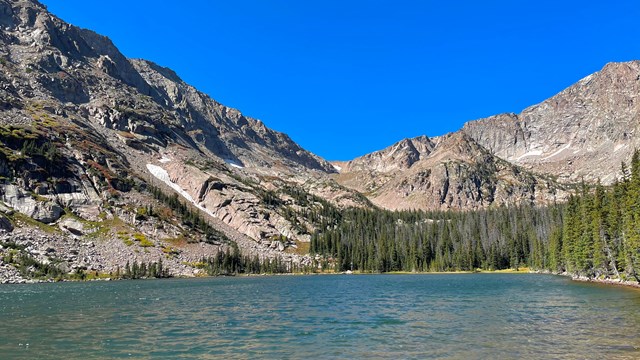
(581, 134)
(584, 132)
(446, 172)
(93, 145)
(107, 161)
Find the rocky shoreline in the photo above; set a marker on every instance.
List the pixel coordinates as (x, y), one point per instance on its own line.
(10, 275)
(606, 281)
(96, 256)
(582, 278)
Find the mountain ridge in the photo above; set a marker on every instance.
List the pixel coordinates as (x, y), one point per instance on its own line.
(93, 145)
(580, 134)
(590, 122)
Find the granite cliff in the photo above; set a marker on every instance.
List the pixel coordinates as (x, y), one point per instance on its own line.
(89, 136)
(584, 132)
(581, 134)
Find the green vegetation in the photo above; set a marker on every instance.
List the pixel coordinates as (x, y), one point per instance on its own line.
(142, 240)
(301, 248)
(31, 152)
(312, 209)
(46, 149)
(385, 241)
(595, 234)
(170, 251)
(190, 218)
(601, 231)
(21, 220)
(105, 227)
(142, 270)
(232, 262)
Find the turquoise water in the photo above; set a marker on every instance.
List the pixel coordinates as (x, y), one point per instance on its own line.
(455, 316)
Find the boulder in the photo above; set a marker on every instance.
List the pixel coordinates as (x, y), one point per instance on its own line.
(46, 212)
(5, 224)
(43, 211)
(72, 226)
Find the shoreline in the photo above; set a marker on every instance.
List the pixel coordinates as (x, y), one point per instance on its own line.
(609, 281)
(523, 270)
(573, 277)
(585, 279)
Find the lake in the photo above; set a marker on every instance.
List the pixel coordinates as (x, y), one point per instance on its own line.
(453, 316)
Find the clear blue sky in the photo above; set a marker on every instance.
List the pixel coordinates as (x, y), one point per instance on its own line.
(347, 77)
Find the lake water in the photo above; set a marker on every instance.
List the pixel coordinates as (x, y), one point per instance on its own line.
(456, 316)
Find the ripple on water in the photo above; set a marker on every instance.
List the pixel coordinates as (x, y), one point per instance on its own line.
(413, 316)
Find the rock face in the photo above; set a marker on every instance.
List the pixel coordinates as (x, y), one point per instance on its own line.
(43, 211)
(79, 125)
(225, 132)
(584, 131)
(448, 172)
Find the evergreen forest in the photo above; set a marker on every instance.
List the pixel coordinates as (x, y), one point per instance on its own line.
(595, 234)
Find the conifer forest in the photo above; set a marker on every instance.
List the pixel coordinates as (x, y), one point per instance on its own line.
(595, 234)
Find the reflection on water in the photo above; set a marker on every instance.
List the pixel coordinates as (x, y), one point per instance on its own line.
(469, 316)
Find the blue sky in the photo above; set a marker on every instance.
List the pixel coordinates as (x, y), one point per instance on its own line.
(344, 78)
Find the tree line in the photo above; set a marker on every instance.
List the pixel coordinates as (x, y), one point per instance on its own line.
(382, 241)
(190, 217)
(600, 235)
(143, 270)
(596, 233)
(232, 262)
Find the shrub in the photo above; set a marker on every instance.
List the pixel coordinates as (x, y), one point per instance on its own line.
(142, 240)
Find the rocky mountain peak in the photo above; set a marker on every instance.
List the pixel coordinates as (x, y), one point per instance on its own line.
(583, 132)
(92, 140)
(452, 171)
(578, 133)
(38, 40)
(399, 156)
(72, 65)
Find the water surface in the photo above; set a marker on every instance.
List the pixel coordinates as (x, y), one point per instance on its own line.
(454, 316)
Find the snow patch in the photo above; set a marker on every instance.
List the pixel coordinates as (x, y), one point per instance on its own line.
(565, 147)
(530, 153)
(233, 163)
(162, 175)
(337, 167)
(164, 159)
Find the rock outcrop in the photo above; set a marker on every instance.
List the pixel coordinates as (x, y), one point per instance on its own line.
(584, 132)
(449, 172)
(581, 134)
(43, 211)
(79, 123)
